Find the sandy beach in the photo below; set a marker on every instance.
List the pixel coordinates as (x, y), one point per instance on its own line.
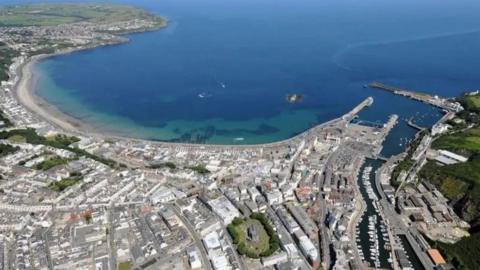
(25, 95)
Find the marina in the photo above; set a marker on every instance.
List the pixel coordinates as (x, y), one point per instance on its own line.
(371, 235)
(372, 232)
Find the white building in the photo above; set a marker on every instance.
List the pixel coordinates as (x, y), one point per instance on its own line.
(306, 246)
(194, 258)
(447, 157)
(163, 195)
(274, 197)
(224, 209)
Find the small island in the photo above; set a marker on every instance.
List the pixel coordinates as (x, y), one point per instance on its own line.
(294, 98)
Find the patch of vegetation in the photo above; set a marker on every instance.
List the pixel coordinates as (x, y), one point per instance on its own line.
(471, 114)
(407, 162)
(458, 182)
(465, 143)
(264, 244)
(4, 119)
(465, 254)
(58, 141)
(471, 102)
(56, 14)
(62, 139)
(51, 162)
(63, 184)
(201, 169)
(17, 139)
(125, 265)
(6, 56)
(453, 188)
(7, 149)
(168, 164)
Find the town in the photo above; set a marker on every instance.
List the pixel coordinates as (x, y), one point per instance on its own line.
(73, 200)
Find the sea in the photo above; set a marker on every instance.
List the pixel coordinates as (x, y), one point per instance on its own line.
(221, 70)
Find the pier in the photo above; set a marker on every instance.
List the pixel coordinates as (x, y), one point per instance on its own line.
(410, 123)
(436, 101)
(382, 158)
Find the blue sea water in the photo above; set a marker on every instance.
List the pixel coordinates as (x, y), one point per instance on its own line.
(221, 69)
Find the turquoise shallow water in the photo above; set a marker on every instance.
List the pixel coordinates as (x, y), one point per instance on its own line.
(220, 71)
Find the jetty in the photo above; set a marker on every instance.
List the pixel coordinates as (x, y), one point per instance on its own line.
(410, 123)
(435, 100)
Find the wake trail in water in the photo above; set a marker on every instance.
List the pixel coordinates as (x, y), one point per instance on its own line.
(337, 57)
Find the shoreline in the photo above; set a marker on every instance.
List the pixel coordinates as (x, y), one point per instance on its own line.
(24, 93)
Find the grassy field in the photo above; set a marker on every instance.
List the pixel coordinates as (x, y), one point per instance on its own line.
(17, 139)
(472, 103)
(125, 265)
(55, 14)
(467, 142)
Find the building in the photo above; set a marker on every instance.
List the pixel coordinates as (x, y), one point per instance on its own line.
(163, 195)
(224, 209)
(306, 246)
(436, 257)
(447, 158)
(194, 258)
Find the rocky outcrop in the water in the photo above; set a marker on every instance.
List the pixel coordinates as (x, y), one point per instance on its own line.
(294, 98)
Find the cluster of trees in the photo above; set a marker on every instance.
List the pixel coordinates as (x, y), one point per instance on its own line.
(465, 254)
(167, 164)
(6, 56)
(5, 120)
(407, 162)
(274, 241)
(6, 149)
(63, 184)
(51, 162)
(201, 169)
(242, 247)
(58, 141)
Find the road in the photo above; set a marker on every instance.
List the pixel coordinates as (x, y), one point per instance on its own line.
(198, 242)
(112, 252)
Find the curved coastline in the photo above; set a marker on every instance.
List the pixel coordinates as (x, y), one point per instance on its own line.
(24, 93)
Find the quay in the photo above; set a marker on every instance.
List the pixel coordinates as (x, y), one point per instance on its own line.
(436, 101)
(410, 123)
